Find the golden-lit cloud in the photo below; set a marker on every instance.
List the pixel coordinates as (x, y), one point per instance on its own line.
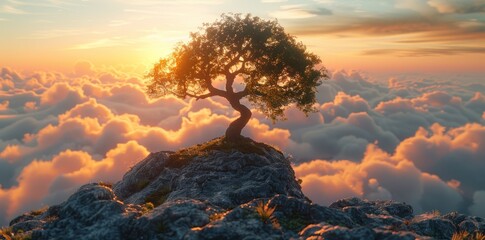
(94, 123)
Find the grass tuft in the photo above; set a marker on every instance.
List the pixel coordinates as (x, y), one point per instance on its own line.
(147, 207)
(8, 234)
(464, 235)
(266, 214)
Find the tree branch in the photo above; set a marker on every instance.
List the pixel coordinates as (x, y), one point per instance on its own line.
(213, 90)
(243, 93)
(203, 96)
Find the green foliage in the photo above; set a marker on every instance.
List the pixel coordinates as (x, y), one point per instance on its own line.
(245, 145)
(275, 69)
(266, 214)
(147, 207)
(295, 223)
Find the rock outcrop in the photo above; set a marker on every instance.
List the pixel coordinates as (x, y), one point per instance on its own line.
(221, 191)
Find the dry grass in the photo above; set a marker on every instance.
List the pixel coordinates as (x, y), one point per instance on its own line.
(464, 235)
(266, 214)
(8, 234)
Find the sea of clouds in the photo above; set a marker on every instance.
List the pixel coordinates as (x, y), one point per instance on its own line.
(412, 139)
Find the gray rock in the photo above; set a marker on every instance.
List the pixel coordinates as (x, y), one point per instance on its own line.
(435, 227)
(398, 235)
(93, 212)
(27, 225)
(225, 179)
(331, 232)
(216, 195)
(392, 208)
(294, 208)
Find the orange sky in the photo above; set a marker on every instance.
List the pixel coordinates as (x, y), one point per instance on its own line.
(377, 36)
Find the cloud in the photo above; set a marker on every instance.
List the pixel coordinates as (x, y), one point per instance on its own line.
(441, 164)
(299, 12)
(407, 31)
(11, 10)
(343, 105)
(478, 207)
(419, 52)
(379, 176)
(82, 127)
(457, 6)
(101, 43)
(62, 175)
(273, 1)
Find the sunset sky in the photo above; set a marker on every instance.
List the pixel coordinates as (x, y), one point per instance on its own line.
(402, 115)
(375, 36)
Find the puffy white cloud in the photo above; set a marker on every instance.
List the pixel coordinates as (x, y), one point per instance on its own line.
(91, 125)
(43, 182)
(343, 105)
(444, 164)
(379, 176)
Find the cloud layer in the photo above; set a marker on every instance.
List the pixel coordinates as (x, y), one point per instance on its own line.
(410, 139)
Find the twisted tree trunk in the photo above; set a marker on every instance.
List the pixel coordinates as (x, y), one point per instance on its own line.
(233, 132)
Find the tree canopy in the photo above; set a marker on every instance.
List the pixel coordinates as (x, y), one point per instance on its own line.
(275, 69)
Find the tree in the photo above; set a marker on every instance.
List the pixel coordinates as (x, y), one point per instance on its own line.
(275, 69)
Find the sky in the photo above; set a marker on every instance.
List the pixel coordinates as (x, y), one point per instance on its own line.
(376, 36)
(401, 117)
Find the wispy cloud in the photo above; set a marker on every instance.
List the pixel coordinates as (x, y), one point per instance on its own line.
(418, 52)
(299, 11)
(11, 10)
(56, 33)
(101, 43)
(171, 2)
(273, 1)
(118, 23)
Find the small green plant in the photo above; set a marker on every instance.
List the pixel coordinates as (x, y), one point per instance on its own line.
(266, 214)
(147, 207)
(294, 223)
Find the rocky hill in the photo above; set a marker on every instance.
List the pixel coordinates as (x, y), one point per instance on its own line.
(223, 191)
